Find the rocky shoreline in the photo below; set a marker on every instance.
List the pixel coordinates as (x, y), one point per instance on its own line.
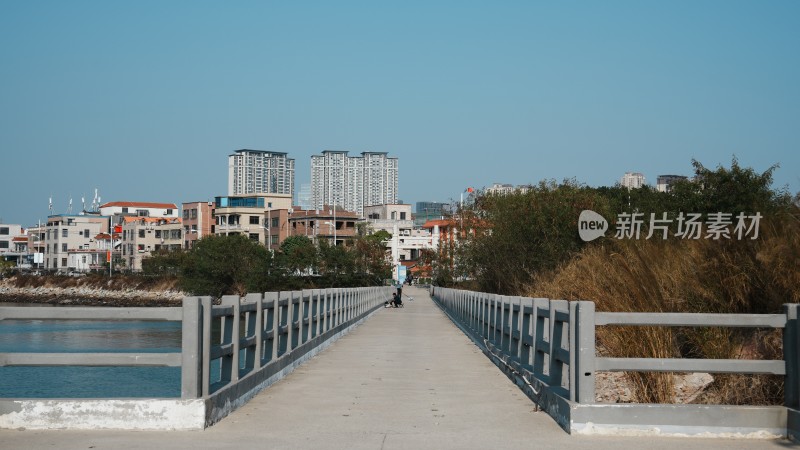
(89, 296)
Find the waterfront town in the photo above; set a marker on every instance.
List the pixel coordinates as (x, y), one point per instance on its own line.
(261, 204)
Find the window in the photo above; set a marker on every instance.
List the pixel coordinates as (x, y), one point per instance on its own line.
(63, 247)
(63, 262)
(275, 223)
(254, 220)
(394, 215)
(83, 259)
(141, 233)
(194, 214)
(274, 239)
(185, 213)
(175, 234)
(64, 232)
(4, 244)
(86, 233)
(140, 247)
(253, 236)
(402, 216)
(169, 212)
(4, 231)
(124, 210)
(158, 234)
(142, 213)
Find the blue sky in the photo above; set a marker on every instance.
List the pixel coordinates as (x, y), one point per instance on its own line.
(145, 100)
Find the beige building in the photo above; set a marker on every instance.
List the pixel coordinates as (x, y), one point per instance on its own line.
(407, 241)
(70, 242)
(262, 218)
(198, 221)
(143, 235)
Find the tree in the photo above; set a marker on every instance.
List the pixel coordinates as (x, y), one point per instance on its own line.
(336, 264)
(734, 190)
(509, 238)
(370, 257)
(298, 255)
(219, 265)
(164, 262)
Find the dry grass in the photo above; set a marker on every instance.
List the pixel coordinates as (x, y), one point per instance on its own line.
(726, 276)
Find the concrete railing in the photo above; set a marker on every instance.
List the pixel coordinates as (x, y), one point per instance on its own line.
(548, 348)
(257, 339)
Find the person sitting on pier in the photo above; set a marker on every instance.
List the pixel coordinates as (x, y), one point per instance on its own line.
(395, 302)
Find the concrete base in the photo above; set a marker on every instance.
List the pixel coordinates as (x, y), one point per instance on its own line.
(120, 414)
(161, 414)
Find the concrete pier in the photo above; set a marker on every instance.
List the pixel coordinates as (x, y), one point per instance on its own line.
(405, 379)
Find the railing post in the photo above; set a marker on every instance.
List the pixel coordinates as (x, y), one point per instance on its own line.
(252, 328)
(791, 357)
(584, 338)
(230, 363)
(191, 348)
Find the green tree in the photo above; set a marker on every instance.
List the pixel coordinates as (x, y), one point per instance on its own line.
(164, 262)
(370, 257)
(509, 238)
(336, 264)
(298, 255)
(220, 265)
(732, 190)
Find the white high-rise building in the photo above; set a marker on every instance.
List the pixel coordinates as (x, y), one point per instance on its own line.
(260, 172)
(632, 180)
(353, 182)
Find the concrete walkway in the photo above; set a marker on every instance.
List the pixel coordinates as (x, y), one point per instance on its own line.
(405, 379)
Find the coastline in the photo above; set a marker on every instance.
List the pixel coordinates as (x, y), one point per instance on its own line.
(89, 296)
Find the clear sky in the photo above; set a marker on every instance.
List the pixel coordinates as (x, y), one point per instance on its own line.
(145, 100)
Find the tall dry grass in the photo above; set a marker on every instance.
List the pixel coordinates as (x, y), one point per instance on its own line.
(725, 276)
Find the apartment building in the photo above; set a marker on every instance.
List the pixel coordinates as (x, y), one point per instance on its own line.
(632, 180)
(141, 236)
(262, 218)
(353, 182)
(336, 225)
(69, 242)
(198, 221)
(255, 172)
(7, 234)
(407, 241)
(664, 182)
(117, 210)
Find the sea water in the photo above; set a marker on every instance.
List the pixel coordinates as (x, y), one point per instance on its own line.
(75, 336)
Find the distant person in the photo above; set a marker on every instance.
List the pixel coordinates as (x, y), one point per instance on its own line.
(397, 301)
(410, 280)
(399, 288)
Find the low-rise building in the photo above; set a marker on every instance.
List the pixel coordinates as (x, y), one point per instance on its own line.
(198, 222)
(407, 241)
(337, 226)
(143, 235)
(69, 241)
(262, 218)
(8, 245)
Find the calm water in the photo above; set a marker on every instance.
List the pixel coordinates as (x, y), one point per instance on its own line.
(84, 337)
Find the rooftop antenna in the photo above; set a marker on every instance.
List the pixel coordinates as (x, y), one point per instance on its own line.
(69, 208)
(83, 202)
(95, 201)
